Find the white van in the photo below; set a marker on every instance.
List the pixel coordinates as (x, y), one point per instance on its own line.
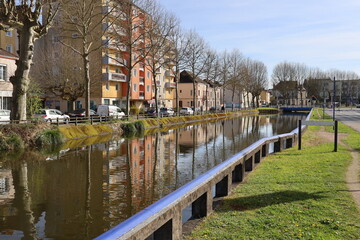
(109, 110)
(4, 116)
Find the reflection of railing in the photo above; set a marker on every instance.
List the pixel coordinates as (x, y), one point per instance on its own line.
(164, 217)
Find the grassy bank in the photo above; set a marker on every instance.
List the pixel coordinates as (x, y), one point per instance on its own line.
(292, 195)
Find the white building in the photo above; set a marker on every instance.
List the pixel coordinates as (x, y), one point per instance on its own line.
(7, 69)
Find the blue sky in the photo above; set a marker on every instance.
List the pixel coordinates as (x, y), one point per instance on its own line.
(318, 33)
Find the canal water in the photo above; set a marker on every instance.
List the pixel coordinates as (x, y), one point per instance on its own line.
(78, 193)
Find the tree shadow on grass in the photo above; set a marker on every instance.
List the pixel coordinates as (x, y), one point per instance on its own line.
(264, 200)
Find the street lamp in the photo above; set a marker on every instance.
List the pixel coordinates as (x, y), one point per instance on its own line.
(334, 100)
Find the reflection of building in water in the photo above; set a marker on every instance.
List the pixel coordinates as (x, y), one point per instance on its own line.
(197, 135)
(7, 191)
(130, 176)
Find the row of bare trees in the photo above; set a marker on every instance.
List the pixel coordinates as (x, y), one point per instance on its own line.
(84, 31)
(288, 77)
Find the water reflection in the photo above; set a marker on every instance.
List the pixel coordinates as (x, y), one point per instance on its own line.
(79, 193)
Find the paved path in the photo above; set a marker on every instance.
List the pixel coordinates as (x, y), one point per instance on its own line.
(350, 117)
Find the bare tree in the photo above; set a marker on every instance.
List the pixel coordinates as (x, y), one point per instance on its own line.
(195, 59)
(24, 16)
(130, 26)
(224, 72)
(159, 47)
(235, 79)
(258, 79)
(61, 78)
(178, 45)
(211, 73)
(81, 31)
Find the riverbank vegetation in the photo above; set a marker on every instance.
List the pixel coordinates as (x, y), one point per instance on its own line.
(17, 136)
(292, 195)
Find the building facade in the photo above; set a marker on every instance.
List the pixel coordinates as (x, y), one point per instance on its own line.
(7, 69)
(207, 94)
(117, 61)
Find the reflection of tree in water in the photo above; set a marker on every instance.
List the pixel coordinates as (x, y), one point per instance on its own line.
(89, 189)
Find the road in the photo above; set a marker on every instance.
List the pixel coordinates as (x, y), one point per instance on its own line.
(350, 117)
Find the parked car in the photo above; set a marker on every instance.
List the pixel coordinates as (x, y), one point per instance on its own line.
(186, 111)
(110, 110)
(81, 113)
(4, 116)
(357, 105)
(166, 111)
(196, 110)
(52, 115)
(151, 112)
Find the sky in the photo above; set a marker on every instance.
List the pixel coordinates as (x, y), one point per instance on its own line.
(318, 33)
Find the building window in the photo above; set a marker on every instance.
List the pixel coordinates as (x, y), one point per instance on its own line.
(9, 48)
(190, 92)
(148, 74)
(117, 70)
(134, 87)
(135, 72)
(107, 86)
(3, 72)
(9, 34)
(180, 91)
(117, 87)
(107, 101)
(148, 88)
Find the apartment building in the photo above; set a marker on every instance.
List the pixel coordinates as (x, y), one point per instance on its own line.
(9, 41)
(165, 87)
(205, 95)
(7, 69)
(118, 41)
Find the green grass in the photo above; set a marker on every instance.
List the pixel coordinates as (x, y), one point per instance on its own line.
(291, 195)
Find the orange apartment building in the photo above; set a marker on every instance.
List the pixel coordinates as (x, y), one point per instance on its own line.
(109, 65)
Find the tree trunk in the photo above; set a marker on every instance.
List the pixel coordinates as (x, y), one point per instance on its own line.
(20, 80)
(177, 90)
(156, 96)
(87, 83)
(194, 95)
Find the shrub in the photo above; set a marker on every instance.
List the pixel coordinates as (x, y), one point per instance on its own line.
(129, 129)
(48, 138)
(134, 110)
(12, 142)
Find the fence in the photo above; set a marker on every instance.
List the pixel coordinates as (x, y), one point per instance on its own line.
(163, 219)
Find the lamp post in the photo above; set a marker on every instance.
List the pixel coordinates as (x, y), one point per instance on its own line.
(334, 100)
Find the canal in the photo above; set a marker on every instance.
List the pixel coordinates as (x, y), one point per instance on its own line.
(78, 193)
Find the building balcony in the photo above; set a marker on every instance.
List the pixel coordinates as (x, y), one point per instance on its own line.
(112, 44)
(170, 63)
(114, 29)
(111, 11)
(141, 95)
(116, 77)
(142, 81)
(169, 73)
(170, 85)
(158, 71)
(114, 61)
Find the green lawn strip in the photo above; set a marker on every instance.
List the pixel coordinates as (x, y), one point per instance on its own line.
(291, 195)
